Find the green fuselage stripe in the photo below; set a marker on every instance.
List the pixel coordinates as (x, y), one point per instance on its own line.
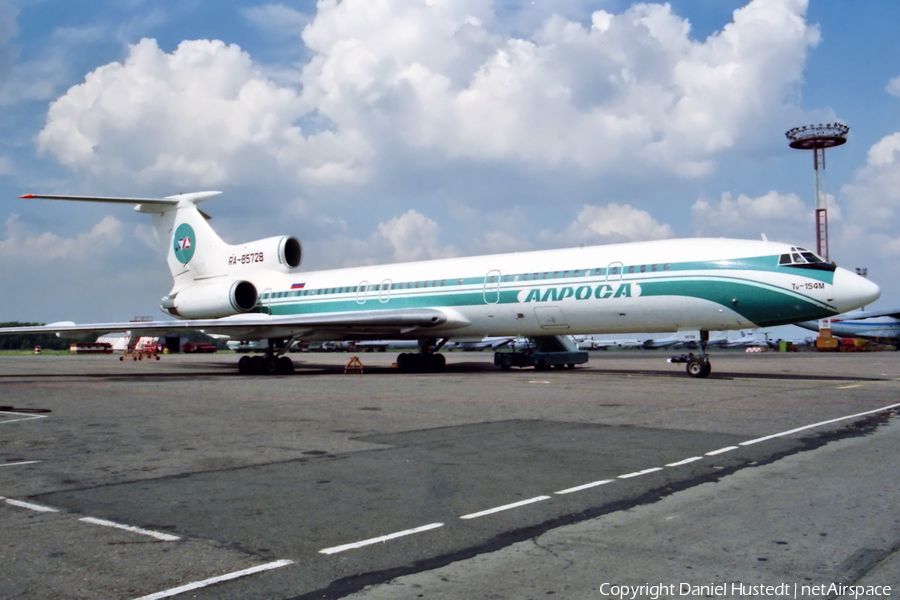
(760, 302)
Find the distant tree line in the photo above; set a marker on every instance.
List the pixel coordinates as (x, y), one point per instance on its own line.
(27, 341)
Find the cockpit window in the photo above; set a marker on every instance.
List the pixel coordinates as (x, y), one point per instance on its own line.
(804, 259)
(811, 258)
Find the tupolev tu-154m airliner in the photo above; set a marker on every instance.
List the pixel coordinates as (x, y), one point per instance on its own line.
(257, 291)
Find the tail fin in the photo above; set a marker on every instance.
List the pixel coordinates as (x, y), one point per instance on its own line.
(193, 246)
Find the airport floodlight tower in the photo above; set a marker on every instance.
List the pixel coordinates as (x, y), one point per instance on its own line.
(817, 138)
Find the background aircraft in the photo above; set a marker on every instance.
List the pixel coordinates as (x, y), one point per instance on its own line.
(878, 325)
(748, 339)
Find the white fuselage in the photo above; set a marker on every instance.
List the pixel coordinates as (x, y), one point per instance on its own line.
(668, 285)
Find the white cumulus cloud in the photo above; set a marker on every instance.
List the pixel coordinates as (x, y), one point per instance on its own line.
(779, 216)
(23, 246)
(416, 84)
(874, 194)
(413, 236)
(609, 224)
(893, 87)
(202, 115)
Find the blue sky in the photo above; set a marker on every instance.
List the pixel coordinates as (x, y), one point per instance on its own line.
(378, 131)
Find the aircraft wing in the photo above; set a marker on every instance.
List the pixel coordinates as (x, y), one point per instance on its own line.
(400, 322)
(868, 314)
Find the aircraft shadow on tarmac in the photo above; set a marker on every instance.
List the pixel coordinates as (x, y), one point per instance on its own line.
(197, 370)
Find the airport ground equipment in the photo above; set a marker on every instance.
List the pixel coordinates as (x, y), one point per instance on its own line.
(547, 351)
(354, 366)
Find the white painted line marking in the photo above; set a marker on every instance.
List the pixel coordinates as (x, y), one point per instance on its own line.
(721, 450)
(805, 427)
(207, 582)
(637, 473)
(155, 534)
(27, 462)
(585, 486)
(29, 505)
(27, 417)
(685, 461)
(383, 538)
(848, 387)
(491, 511)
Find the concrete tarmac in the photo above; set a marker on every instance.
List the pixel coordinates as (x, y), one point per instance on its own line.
(802, 526)
(322, 483)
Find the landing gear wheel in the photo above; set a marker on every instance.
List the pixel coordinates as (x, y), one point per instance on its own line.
(259, 365)
(245, 365)
(420, 362)
(698, 368)
(285, 366)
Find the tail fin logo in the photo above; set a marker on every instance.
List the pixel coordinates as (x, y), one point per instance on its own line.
(184, 243)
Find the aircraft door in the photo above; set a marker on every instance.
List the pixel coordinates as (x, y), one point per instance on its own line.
(614, 271)
(492, 287)
(362, 292)
(265, 301)
(550, 317)
(384, 294)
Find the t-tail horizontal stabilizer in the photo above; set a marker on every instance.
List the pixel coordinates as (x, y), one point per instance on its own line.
(153, 204)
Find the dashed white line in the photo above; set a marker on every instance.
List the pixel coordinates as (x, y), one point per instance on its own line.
(491, 511)
(638, 473)
(601, 482)
(585, 486)
(830, 421)
(685, 461)
(207, 582)
(154, 534)
(721, 450)
(29, 505)
(377, 540)
(18, 464)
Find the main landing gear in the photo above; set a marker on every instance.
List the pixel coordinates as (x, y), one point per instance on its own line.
(272, 363)
(698, 366)
(427, 359)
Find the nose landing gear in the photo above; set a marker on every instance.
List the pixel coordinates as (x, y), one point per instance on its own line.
(699, 366)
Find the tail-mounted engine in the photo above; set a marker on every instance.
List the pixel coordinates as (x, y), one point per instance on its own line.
(211, 300)
(282, 253)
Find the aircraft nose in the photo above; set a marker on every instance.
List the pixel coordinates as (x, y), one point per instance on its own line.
(852, 291)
